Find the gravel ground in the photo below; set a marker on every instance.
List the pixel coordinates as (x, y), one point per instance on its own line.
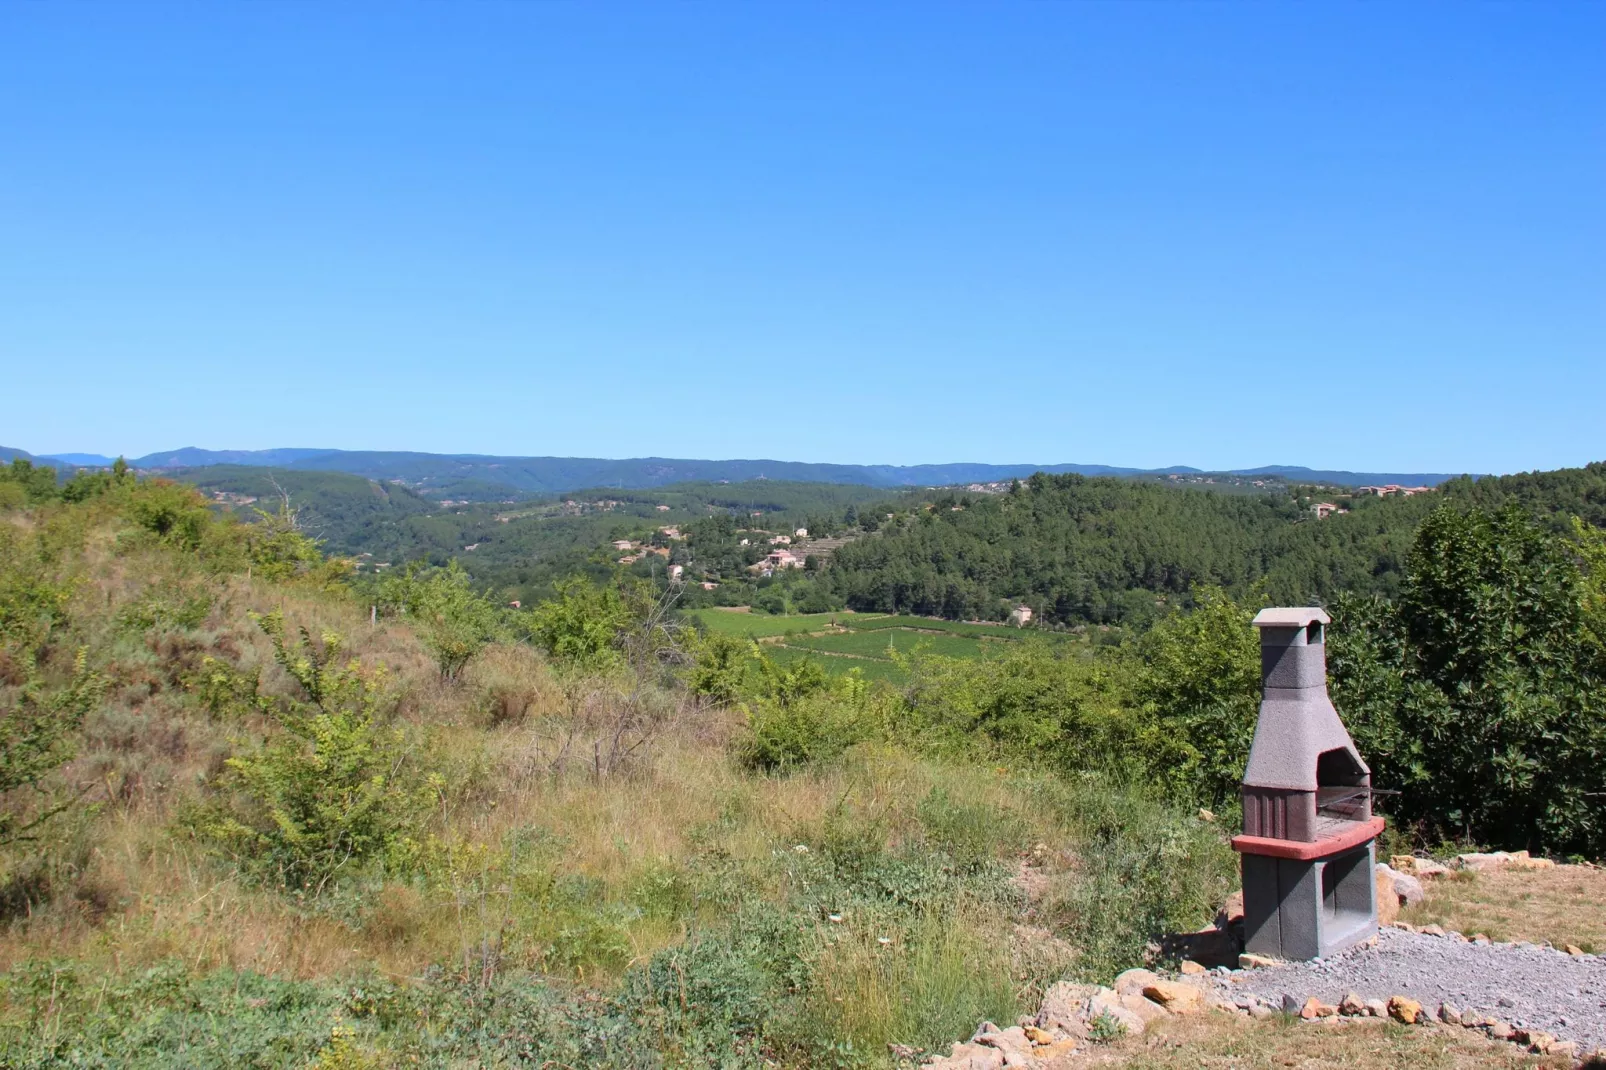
(1531, 987)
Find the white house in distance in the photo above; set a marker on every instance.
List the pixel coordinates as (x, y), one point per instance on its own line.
(1020, 616)
(801, 533)
(675, 573)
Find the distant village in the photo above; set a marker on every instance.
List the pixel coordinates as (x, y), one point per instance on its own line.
(1323, 510)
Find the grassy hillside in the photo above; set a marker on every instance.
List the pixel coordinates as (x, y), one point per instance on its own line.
(269, 853)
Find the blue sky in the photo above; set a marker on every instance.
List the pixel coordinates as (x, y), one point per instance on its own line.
(1359, 236)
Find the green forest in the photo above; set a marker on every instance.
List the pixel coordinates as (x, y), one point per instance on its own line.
(1083, 550)
(262, 807)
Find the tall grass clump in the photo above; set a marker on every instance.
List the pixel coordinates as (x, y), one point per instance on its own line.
(1141, 868)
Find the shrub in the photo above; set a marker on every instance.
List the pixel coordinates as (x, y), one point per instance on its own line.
(225, 692)
(454, 621)
(583, 625)
(509, 682)
(1031, 703)
(815, 726)
(33, 599)
(278, 549)
(331, 791)
(1198, 675)
(175, 514)
(24, 483)
(1143, 869)
(39, 717)
(166, 608)
(37, 727)
(718, 671)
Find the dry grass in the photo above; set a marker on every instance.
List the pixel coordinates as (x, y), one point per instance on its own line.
(573, 810)
(1563, 905)
(517, 743)
(1219, 1043)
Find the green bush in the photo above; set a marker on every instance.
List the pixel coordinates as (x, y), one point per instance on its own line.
(718, 671)
(1197, 674)
(24, 483)
(225, 692)
(40, 709)
(38, 724)
(584, 625)
(278, 549)
(332, 790)
(165, 608)
(800, 725)
(1032, 703)
(174, 513)
(454, 621)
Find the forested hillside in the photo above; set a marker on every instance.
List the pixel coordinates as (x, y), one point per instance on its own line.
(1080, 549)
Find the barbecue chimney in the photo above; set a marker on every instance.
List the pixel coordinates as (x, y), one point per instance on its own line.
(1308, 848)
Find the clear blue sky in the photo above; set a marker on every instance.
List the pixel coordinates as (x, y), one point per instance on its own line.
(1364, 236)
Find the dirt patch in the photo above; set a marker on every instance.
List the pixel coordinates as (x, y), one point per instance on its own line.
(1562, 905)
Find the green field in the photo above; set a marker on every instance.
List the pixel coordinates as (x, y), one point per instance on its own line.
(863, 645)
(759, 625)
(933, 624)
(837, 666)
(873, 644)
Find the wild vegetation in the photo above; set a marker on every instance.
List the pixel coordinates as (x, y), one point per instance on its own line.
(255, 809)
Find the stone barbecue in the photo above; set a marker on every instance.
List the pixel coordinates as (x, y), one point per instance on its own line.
(1308, 846)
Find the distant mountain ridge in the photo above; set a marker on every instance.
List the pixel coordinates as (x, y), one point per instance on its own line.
(482, 476)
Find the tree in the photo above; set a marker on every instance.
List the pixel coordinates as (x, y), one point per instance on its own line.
(1482, 688)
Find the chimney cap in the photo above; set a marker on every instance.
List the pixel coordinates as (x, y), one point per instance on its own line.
(1291, 617)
